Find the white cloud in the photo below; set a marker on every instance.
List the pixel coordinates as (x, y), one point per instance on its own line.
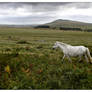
(19, 12)
(80, 14)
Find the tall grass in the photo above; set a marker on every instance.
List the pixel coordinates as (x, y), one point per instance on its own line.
(34, 65)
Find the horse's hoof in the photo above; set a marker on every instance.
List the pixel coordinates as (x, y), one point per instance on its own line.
(80, 61)
(90, 62)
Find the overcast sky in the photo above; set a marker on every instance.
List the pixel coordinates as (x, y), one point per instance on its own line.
(39, 13)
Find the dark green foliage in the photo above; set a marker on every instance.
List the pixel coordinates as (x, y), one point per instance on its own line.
(23, 42)
(67, 28)
(43, 26)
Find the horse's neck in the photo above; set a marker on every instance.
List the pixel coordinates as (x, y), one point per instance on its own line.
(63, 47)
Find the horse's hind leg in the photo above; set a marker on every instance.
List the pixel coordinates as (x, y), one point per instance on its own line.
(69, 58)
(86, 59)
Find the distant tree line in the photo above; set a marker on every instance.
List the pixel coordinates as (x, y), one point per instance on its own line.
(65, 28)
(70, 28)
(88, 30)
(42, 26)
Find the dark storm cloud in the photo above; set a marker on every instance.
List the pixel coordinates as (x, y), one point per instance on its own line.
(45, 5)
(36, 6)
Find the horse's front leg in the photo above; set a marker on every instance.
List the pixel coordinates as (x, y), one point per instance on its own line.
(63, 57)
(80, 58)
(69, 58)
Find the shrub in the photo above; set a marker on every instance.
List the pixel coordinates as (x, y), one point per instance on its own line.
(23, 42)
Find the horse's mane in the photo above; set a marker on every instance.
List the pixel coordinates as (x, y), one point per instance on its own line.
(63, 43)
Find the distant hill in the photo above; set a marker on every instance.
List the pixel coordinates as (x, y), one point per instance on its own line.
(67, 25)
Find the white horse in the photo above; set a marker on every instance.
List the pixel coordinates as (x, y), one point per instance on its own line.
(70, 50)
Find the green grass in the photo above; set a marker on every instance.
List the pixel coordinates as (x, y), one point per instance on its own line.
(32, 64)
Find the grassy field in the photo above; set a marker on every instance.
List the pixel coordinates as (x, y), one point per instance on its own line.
(27, 60)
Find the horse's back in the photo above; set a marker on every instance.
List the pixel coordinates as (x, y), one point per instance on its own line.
(81, 48)
(76, 50)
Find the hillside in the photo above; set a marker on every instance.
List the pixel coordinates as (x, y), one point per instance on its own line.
(67, 25)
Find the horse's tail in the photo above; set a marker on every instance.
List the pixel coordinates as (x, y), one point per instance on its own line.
(88, 54)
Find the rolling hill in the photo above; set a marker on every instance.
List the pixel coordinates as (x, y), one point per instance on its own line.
(67, 25)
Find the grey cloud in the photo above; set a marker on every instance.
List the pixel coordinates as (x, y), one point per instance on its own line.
(44, 7)
(48, 10)
(82, 5)
(45, 4)
(36, 6)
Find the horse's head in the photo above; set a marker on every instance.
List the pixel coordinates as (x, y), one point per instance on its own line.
(55, 45)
